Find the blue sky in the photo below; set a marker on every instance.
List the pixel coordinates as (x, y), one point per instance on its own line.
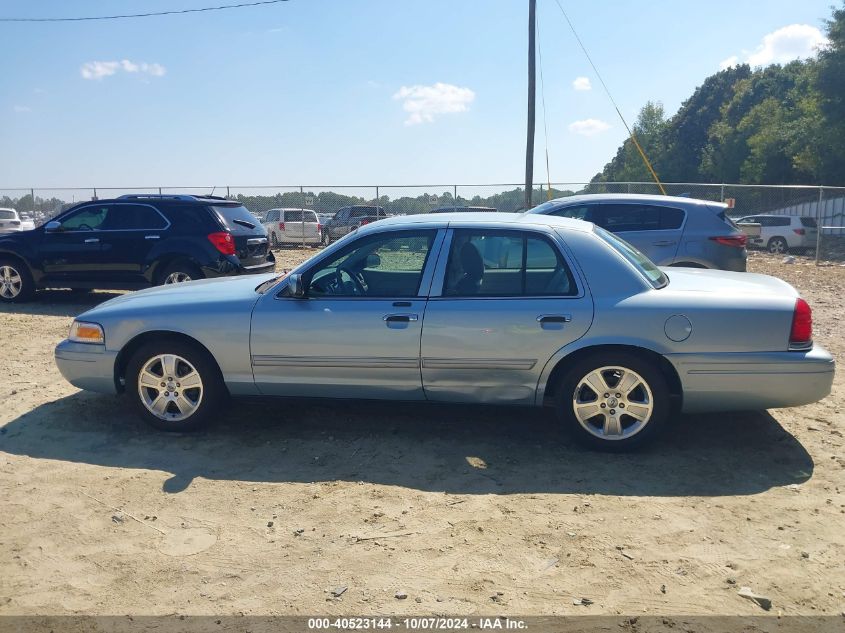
(352, 91)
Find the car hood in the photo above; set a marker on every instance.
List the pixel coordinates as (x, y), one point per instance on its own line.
(726, 282)
(188, 296)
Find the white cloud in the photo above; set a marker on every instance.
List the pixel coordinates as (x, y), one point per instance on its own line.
(582, 83)
(796, 41)
(21, 108)
(733, 60)
(422, 103)
(588, 127)
(98, 70)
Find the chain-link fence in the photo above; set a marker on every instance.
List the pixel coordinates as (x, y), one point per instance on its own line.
(824, 205)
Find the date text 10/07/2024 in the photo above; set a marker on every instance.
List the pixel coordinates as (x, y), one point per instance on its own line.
(416, 623)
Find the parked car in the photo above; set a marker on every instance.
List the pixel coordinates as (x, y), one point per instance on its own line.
(463, 210)
(10, 221)
(293, 226)
(671, 231)
(27, 223)
(348, 219)
(782, 233)
(474, 308)
(132, 242)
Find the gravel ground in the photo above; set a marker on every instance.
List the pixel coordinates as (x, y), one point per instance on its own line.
(467, 510)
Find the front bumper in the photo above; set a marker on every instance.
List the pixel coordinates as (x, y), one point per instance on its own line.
(87, 366)
(735, 381)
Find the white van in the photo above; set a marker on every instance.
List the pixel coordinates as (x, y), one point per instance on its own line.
(292, 226)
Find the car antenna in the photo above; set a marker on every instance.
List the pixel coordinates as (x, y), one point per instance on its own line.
(212, 191)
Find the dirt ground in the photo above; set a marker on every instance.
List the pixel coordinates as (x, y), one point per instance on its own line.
(467, 510)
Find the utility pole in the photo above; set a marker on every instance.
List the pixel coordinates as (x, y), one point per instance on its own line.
(532, 93)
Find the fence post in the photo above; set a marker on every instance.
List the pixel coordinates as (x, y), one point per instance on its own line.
(722, 195)
(377, 201)
(32, 193)
(455, 199)
(302, 212)
(819, 223)
(227, 191)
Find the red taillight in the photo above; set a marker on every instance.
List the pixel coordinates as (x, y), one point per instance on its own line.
(802, 324)
(365, 221)
(223, 242)
(799, 231)
(281, 226)
(737, 241)
(319, 228)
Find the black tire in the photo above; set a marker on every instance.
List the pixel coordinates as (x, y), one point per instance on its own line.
(207, 400)
(183, 270)
(778, 246)
(327, 238)
(16, 283)
(629, 436)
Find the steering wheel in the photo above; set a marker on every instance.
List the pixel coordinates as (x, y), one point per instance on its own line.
(360, 288)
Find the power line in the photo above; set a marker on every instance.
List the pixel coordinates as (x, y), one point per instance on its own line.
(145, 15)
(543, 102)
(609, 96)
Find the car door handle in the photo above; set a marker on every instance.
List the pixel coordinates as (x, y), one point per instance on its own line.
(554, 318)
(152, 237)
(400, 318)
(665, 243)
(92, 240)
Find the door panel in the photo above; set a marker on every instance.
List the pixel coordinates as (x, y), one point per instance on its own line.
(338, 348)
(492, 349)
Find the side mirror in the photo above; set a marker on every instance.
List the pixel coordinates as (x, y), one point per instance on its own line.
(296, 286)
(52, 226)
(373, 261)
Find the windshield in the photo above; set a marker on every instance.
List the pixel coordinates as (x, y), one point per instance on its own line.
(545, 207)
(642, 263)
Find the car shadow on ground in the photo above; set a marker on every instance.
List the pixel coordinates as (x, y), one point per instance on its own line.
(63, 303)
(454, 449)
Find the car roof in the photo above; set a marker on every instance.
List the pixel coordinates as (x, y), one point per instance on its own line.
(635, 197)
(490, 220)
(290, 209)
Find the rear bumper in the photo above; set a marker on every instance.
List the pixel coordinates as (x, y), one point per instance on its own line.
(228, 266)
(87, 366)
(734, 381)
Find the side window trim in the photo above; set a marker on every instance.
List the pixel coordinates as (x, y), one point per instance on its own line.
(74, 212)
(600, 203)
(436, 293)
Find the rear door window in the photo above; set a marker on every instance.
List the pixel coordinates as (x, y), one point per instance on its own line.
(236, 220)
(809, 222)
(133, 217)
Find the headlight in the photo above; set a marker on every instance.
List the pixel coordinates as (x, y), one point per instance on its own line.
(82, 332)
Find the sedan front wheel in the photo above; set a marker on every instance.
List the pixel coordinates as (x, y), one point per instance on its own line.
(614, 402)
(176, 386)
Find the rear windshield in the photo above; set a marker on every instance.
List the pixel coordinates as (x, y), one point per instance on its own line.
(728, 220)
(642, 263)
(237, 219)
(360, 212)
(297, 216)
(7, 214)
(810, 222)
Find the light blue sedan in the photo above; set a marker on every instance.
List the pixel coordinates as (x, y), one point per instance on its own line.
(476, 308)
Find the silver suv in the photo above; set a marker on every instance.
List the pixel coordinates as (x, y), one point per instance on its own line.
(672, 231)
(782, 233)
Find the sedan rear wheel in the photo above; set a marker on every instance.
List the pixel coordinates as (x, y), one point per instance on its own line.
(176, 386)
(614, 402)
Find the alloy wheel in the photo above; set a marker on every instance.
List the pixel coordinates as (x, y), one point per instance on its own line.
(778, 246)
(10, 282)
(170, 387)
(613, 403)
(177, 277)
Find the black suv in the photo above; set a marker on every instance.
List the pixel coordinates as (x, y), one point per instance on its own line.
(132, 242)
(348, 219)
